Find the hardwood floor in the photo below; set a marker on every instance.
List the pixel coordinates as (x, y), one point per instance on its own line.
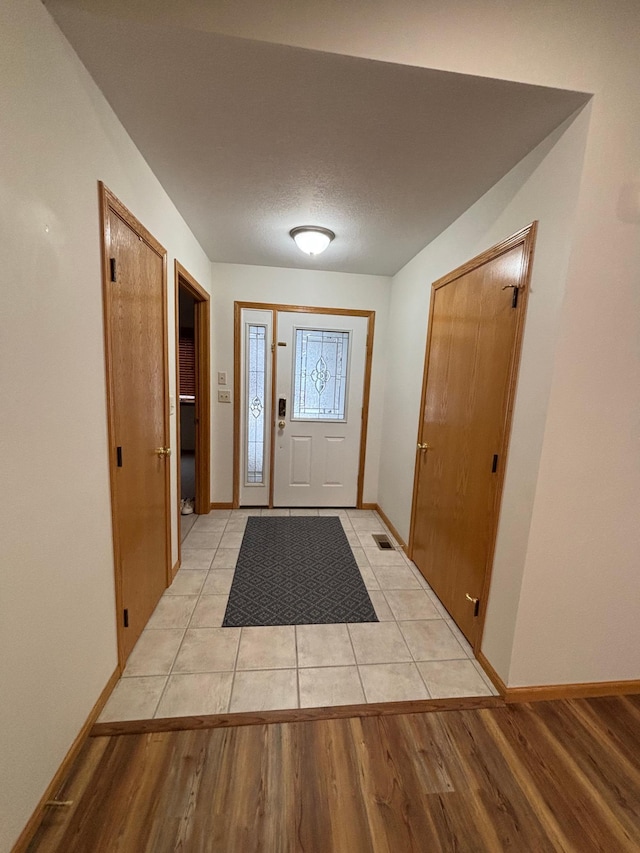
(548, 776)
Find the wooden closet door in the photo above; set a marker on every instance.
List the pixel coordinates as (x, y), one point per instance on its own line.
(477, 316)
(135, 297)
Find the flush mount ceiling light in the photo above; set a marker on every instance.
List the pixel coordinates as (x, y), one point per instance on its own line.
(312, 239)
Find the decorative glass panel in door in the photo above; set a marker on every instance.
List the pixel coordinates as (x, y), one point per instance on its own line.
(255, 406)
(321, 370)
(255, 403)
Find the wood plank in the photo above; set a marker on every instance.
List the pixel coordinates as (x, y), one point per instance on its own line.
(608, 779)
(566, 801)
(395, 810)
(54, 820)
(502, 811)
(552, 776)
(619, 719)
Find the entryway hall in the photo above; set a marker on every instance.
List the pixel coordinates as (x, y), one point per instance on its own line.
(185, 664)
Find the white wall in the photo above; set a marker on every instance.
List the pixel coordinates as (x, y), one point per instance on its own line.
(57, 619)
(242, 283)
(543, 186)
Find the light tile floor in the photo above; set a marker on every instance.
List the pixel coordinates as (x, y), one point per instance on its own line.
(186, 523)
(186, 664)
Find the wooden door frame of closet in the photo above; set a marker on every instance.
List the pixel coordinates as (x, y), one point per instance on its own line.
(238, 307)
(182, 278)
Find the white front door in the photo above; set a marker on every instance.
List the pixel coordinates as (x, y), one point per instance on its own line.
(320, 368)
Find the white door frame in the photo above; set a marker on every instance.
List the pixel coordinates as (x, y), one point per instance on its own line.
(237, 380)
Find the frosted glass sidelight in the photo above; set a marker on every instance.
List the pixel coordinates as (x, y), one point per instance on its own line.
(256, 385)
(320, 375)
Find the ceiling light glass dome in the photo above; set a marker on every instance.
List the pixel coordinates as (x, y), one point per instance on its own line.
(312, 239)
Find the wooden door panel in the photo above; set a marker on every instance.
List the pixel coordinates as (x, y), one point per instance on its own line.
(472, 356)
(137, 380)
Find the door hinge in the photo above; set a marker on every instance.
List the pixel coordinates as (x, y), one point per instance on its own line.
(119, 457)
(494, 466)
(273, 347)
(112, 266)
(126, 618)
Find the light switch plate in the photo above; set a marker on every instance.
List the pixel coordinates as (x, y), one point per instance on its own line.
(222, 377)
(224, 396)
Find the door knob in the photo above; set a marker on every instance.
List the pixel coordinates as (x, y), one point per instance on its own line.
(425, 446)
(163, 451)
(281, 424)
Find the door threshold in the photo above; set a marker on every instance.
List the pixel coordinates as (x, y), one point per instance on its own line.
(294, 715)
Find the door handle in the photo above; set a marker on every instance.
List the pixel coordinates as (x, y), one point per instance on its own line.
(281, 424)
(474, 601)
(163, 451)
(425, 446)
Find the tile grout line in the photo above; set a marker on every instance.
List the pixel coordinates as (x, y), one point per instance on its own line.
(426, 686)
(295, 639)
(303, 668)
(186, 628)
(353, 649)
(235, 670)
(485, 677)
(456, 639)
(235, 661)
(397, 623)
(166, 684)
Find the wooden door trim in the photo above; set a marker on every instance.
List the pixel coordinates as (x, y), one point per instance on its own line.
(108, 201)
(237, 366)
(526, 237)
(202, 308)
(295, 715)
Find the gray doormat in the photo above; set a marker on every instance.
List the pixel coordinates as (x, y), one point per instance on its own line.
(296, 571)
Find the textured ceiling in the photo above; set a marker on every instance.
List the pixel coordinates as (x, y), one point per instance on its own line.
(251, 139)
